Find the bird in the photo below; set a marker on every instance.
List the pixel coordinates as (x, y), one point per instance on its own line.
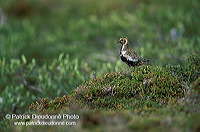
(129, 56)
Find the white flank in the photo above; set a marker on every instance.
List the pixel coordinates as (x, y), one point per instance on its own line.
(131, 59)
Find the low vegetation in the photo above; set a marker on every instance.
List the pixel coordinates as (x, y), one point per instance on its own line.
(61, 57)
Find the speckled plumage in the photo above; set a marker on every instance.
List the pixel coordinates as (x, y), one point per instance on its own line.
(129, 56)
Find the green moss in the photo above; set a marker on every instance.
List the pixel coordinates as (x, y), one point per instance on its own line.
(190, 71)
(142, 89)
(146, 86)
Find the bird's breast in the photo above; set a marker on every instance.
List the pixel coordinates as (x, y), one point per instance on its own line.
(123, 52)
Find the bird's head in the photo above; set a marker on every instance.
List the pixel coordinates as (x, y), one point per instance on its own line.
(123, 40)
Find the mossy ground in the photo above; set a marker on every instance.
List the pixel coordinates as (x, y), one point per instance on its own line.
(146, 98)
(62, 57)
(147, 86)
(141, 99)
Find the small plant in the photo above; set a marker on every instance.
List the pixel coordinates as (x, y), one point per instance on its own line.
(22, 83)
(44, 104)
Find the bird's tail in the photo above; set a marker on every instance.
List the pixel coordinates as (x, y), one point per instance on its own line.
(150, 62)
(146, 61)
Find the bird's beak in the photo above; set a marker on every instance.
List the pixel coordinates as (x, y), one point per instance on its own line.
(118, 42)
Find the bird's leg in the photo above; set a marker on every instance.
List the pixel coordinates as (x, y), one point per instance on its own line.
(134, 69)
(131, 70)
(128, 71)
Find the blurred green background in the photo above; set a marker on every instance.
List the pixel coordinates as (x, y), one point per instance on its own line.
(42, 29)
(55, 45)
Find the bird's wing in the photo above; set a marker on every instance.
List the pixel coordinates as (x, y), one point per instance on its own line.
(131, 55)
(130, 58)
